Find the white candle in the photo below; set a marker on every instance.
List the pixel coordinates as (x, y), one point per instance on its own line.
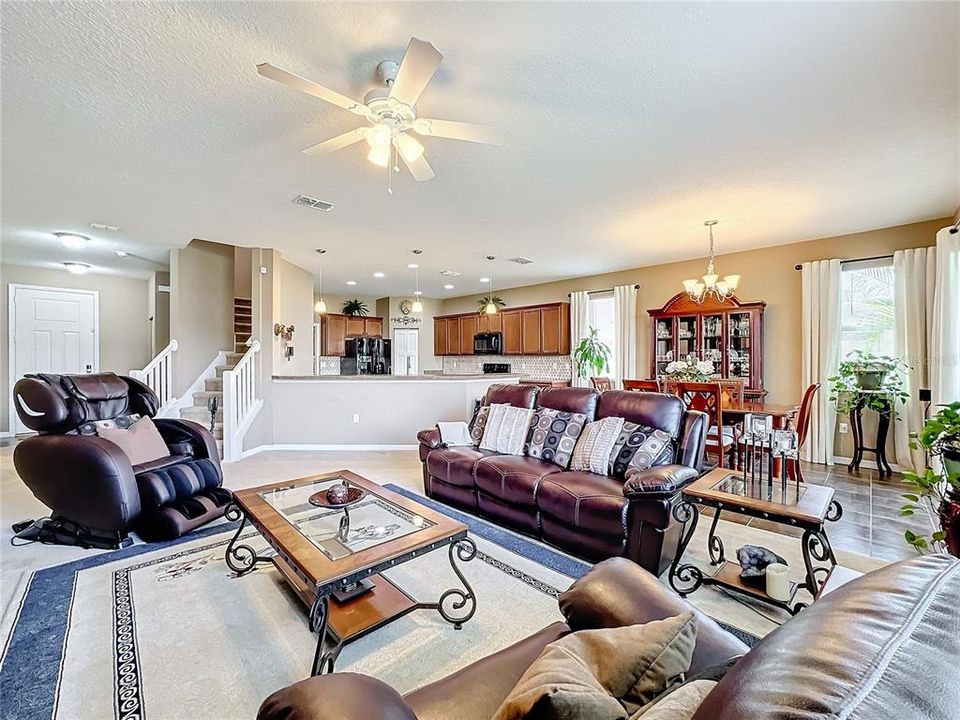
(778, 584)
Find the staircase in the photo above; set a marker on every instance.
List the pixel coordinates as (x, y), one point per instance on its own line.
(213, 387)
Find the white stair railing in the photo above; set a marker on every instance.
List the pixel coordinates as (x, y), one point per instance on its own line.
(158, 376)
(241, 401)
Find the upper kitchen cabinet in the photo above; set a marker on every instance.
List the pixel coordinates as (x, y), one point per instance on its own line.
(337, 328)
(373, 326)
(530, 330)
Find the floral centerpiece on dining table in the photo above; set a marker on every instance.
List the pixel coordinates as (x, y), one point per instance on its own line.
(690, 369)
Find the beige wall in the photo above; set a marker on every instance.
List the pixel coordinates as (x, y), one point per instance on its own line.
(390, 307)
(201, 306)
(242, 272)
(767, 274)
(296, 308)
(124, 328)
(160, 311)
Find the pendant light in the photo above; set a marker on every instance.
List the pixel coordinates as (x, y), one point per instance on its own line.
(700, 290)
(417, 305)
(491, 306)
(321, 306)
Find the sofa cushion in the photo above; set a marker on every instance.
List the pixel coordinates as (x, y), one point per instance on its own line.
(590, 502)
(593, 449)
(517, 395)
(454, 466)
(640, 447)
(663, 412)
(506, 430)
(570, 399)
(478, 423)
(680, 704)
(512, 478)
(554, 435)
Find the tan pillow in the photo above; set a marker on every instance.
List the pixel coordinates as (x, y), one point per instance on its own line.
(592, 453)
(681, 704)
(506, 429)
(603, 674)
(141, 441)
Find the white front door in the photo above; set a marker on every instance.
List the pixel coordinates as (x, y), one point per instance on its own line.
(405, 345)
(53, 331)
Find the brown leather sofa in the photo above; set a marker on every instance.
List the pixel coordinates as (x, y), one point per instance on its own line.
(588, 515)
(883, 646)
(88, 481)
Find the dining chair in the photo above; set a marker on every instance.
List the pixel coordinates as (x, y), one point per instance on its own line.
(707, 397)
(642, 385)
(731, 392)
(803, 429)
(601, 383)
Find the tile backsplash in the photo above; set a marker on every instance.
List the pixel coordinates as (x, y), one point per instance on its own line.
(537, 367)
(329, 366)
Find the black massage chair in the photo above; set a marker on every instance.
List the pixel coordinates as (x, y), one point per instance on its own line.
(95, 494)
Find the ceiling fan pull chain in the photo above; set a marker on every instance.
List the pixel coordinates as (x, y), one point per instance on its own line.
(389, 176)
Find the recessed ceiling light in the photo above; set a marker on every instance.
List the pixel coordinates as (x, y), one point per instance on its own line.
(101, 226)
(484, 280)
(121, 253)
(351, 282)
(378, 275)
(413, 266)
(448, 287)
(77, 268)
(73, 240)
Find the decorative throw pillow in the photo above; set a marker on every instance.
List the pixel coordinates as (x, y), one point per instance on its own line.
(640, 447)
(479, 422)
(122, 421)
(506, 429)
(681, 704)
(603, 674)
(553, 435)
(141, 442)
(592, 452)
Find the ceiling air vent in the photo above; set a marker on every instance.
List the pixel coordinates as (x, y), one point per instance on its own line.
(520, 260)
(451, 273)
(313, 202)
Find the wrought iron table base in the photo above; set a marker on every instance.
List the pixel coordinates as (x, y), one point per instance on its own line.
(456, 606)
(686, 578)
(240, 558)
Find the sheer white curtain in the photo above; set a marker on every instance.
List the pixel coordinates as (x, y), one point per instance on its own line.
(914, 281)
(579, 314)
(625, 319)
(945, 337)
(821, 350)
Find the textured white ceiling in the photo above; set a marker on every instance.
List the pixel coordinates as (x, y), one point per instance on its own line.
(627, 126)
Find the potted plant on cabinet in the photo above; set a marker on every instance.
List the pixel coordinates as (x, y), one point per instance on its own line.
(355, 308)
(938, 494)
(868, 380)
(592, 355)
(491, 299)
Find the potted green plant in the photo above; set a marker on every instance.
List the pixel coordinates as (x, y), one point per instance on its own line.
(592, 355)
(355, 308)
(869, 380)
(494, 300)
(938, 494)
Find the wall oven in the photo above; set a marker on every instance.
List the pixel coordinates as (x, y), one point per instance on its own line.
(489, 343)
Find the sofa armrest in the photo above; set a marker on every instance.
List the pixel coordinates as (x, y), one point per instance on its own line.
(84, 477)
(174, 431)
(338, 696)
(430, 438)
(618, 592)
(659, 480)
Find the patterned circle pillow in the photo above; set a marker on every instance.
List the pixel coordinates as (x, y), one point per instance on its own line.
(553, 435)
(479, 422)
(640, 447)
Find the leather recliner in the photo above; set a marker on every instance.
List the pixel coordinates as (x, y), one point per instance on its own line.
(882, 646)
(588, 515)
(89, 481)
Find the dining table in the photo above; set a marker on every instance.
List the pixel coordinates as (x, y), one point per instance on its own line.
(783, 415)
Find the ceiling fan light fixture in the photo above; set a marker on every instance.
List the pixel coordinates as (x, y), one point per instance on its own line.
(378, 135)
(379, 155)
(410, 149)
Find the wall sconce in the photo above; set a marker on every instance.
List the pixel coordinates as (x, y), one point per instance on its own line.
(285, 333)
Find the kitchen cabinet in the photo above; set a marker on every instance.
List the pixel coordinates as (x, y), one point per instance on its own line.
(337, 328)
(468, 328)
(453, 336)
(511, 332)
(373, 326)
(440, 336)
(555, 329)
(490, 323)
(355, 326)
(530, 339)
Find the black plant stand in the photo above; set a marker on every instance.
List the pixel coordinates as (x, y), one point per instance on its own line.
(883, 427)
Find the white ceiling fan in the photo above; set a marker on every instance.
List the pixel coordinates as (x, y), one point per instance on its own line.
(390, 111)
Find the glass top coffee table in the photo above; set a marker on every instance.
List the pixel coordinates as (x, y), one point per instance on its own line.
(333, 555)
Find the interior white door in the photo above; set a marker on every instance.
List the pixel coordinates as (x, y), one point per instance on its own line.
(54, 331)
(405, 347)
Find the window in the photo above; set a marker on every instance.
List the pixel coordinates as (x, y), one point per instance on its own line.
(600, 315)
(866, 308)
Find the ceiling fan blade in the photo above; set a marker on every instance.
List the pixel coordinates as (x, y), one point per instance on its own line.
(311, 88)
(420, 169)
(337, 143)
(458, 131)
(419, 63)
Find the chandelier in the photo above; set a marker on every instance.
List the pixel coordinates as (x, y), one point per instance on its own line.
(710, 284)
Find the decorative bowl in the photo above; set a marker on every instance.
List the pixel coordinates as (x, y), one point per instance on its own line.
(339, 496)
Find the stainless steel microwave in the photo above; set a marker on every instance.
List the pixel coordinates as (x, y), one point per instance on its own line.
(489, 343)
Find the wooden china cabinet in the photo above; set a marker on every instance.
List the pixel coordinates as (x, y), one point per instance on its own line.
(729, 334)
